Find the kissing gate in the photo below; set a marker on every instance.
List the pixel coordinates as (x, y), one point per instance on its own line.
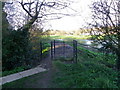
(64, 49)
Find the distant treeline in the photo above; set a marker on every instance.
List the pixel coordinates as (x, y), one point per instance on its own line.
(63, 32)
(81, 31)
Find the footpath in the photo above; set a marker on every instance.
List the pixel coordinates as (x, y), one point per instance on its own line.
(20, 75)
(46, 65)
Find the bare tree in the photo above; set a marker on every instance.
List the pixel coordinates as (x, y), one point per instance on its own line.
(106, 20)
(41, 10)
(28, 13)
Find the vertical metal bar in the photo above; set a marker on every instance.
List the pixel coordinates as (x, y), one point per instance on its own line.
(63, 48)
(51, 50)
(73, 51)
(41, 50)
(54, 47)
(76, 51)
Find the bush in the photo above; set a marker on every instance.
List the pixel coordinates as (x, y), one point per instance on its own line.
(17, 69)
(14, 49)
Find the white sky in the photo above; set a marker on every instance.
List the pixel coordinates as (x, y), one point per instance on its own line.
(70, 23)
(74, 23)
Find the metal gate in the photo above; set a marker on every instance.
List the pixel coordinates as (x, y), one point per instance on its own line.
(66, 50)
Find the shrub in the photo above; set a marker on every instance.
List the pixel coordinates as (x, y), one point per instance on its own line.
(14, 49)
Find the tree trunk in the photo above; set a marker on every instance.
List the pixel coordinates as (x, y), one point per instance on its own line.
(29, 24)
(26, 35)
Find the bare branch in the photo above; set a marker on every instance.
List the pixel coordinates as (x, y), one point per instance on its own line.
(28, 3)
(25, 9)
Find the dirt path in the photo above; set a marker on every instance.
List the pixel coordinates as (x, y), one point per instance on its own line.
(61, 50)
(46, 80)
(43, 79)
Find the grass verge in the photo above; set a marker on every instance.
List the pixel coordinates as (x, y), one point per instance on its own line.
(16, 70)
(93, 70)
(26, 82)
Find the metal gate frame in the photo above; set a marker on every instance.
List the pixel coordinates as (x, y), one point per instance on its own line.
(53, 51)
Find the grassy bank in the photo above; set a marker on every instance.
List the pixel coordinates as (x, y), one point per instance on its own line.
(25, 82)
(93, 70)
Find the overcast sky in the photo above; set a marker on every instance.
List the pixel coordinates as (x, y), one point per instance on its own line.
(67, 22)
(76, 22)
